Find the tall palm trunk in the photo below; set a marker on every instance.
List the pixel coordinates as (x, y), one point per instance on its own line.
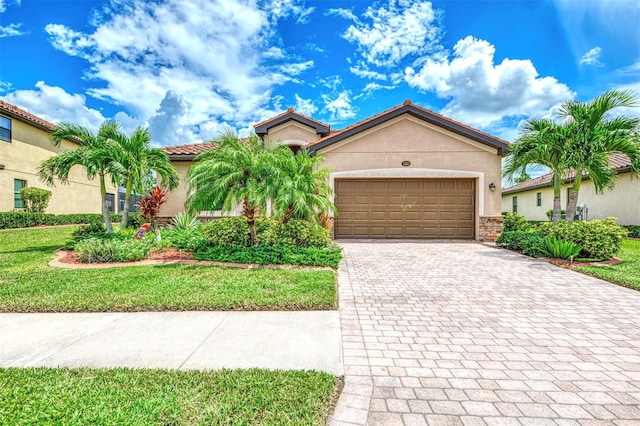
(557, 209)
(105, 207)
(573, 200)
(288, 214)
(127, 205)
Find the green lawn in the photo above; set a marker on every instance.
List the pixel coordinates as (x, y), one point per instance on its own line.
(626, 273)
(28, 284)
(45, 396)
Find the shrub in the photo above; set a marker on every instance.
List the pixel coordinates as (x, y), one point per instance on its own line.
(150, 205)
(600, 239)
(561, 249)
(228, 231)
(35, 199)
(10, 220)
(549, 213)
(531, 243)
(267, 254)
(185, 222)
(515, 222)
(185, 239)
(634, 230)
(293, 233)
(95, 250)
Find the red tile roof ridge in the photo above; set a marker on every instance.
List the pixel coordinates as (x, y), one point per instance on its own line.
(4, 105)
(191, 148)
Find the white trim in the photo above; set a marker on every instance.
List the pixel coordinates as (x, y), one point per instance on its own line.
(418, 173)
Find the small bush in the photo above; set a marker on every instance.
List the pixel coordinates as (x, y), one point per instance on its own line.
(267, 254)
(561, 249)
(599, 239)
(531, 243)
(11, 220)
(228, 231)
(549, 213)
(634, 230)
(96, 250)
(185, 239)
(515, 222)
(35, 199)
(293, 233)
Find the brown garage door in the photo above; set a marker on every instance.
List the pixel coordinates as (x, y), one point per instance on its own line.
(405, 208)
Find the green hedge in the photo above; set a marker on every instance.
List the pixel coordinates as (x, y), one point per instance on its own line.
(278, 255)
(10, 220)
(599, 239)
(531, 242)
(634, 230)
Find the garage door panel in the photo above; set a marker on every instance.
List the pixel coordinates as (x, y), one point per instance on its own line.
(405, 208)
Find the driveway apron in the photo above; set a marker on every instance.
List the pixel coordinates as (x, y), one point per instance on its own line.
(461, 333)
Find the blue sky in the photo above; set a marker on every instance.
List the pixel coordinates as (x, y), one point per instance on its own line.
(188, 68)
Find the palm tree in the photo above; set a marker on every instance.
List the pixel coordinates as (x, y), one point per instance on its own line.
(239, 172)
(541, 144)
(95, 155)
(300, 190)
(139, 161)
(593, 135)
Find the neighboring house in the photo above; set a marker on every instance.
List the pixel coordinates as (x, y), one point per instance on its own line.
(533, 198)
(24, 145)
(404, 173)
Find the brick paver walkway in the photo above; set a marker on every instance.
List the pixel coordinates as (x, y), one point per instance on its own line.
(448, 333)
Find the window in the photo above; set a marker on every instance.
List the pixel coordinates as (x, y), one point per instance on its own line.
(111, 203)
(569, 192)
(514, 204)
(133, 202)
(5, 129)
(539, 199)
(18, 184)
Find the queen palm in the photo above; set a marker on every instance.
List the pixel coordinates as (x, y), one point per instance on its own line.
(239, 172)
(95, 155)
(139, 161)
(593, 135)
(300, 190)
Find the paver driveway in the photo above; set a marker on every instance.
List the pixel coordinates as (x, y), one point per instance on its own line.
(449, 333)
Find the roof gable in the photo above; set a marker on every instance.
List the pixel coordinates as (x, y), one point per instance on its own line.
(320, 128)
(421, 113)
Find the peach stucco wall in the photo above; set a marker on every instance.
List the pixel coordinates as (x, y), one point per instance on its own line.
(622, 202)
(291, 131)
(31, 146)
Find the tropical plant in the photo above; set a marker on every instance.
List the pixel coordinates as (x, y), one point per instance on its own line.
(139, 162)
(35, 199)
(184, 221)
(150, 205)
(541, 144)
(94, 154)
(593, 135)
(301, 189)
(561, 249)
(239, 172)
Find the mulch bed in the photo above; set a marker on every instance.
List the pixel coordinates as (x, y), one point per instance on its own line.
(575, 264)
(69, 256)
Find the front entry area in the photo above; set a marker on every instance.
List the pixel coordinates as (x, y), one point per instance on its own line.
(405, 208)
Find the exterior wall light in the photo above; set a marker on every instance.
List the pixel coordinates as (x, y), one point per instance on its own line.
(406, 163)
(492, 187)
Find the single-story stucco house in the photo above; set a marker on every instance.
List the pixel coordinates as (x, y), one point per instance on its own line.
(404, 173)
(534, 197)
(24, 145)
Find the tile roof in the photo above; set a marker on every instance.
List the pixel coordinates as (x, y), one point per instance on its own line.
(20, 114)
(190, 149)
(409, 107)
(619, 162)
(289, 111)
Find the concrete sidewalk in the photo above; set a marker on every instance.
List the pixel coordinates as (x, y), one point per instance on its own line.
(305, 340)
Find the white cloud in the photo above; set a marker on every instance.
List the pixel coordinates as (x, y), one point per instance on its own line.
(362, 71)
(592, 57)
(305, 106)
(11, 30)
(387, 35)
(167, 125)
(373, 87)
(212, 53)
(5, 3)
(339, 107)
(54, 104)
(483, 92)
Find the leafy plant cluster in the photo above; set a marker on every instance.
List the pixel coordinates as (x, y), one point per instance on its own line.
(35, 199)
(96, 250)
(267, 254)
(634, 230)
(596, 239)
(10, 220)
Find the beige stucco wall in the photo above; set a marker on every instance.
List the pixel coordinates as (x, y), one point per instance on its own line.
(622, 202)
(291, 131)
(431, 150)
(31, 146)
